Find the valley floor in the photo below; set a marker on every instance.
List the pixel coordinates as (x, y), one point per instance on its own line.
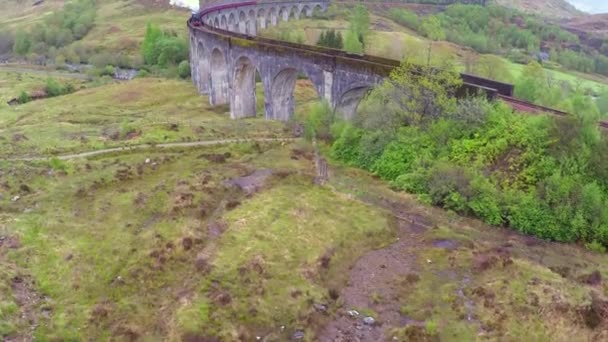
(236, 241)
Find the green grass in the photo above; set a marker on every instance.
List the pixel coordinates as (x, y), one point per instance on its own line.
(153, 110)
(21, 14)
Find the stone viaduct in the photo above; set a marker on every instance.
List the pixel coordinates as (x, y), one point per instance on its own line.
(225, 54)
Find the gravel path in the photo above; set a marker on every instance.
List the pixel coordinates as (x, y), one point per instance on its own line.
(150, 146)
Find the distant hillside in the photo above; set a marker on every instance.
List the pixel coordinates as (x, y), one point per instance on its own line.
(546, 8)
(594, 24)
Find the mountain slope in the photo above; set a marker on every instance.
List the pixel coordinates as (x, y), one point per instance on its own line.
(546, 8)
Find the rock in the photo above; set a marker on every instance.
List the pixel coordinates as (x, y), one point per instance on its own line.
(298, 335)
(16, 198)
(369, 320)
(148, 161)
(353, 313)
(320, 307)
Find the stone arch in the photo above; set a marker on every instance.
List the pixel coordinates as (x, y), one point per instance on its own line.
(219, 78)
(224, 23)
(262, 19)
(316, 9)
(282, 93)
(284, 13)
(243, 101)
(307, 10)
(242, 22)
(251, 27)
(216, 22)
(294, 14)
(273, 16)
(349, 101)
(231, 22)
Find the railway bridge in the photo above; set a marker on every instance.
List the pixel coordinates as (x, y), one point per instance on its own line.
(226, 52)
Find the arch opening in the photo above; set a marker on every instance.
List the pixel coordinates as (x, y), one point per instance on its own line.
(219, 78)
(231, 22)
(216, 23)
(284, 14)
(283, 99)
(251, 26)
(349, 102)
(242, 22)
(273, 16)
(293, 13)
(262, 20)
(317, 11)
(245, 101)
(224, 23)
(306, 10)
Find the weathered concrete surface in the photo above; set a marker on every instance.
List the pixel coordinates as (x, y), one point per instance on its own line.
(225, 67)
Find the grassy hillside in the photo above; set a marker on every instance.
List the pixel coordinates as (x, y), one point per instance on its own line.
(19, 14)
(544, 8)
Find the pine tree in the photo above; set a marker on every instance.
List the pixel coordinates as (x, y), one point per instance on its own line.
(339, 41)
(331, 38)
(322, 39)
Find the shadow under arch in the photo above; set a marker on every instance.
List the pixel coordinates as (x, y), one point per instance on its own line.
(349, 101)
(219, 78)
(282, 93)
(244, 96)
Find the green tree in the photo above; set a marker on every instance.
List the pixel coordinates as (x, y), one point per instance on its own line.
(352, 43)
(359, 23)
(431, 28)
(148, 46)
(532, 82)
(22, 43)
(413, 95)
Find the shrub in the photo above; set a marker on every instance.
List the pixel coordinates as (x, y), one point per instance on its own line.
(346, 147)
(183, 69)
(24, 97)
(54, 88)
(143, 73)
(319, 121)
(405, 18)
(58, 164)
(596, 247)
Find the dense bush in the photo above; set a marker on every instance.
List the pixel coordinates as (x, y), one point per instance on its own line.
(183, 69)
(54, 88)
(405, 18)
(331, 39)
(163, 48)
(540, 175)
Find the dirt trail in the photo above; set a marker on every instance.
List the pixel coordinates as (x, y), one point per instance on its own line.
(373, 282)
(150, 146)
(23, 290)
